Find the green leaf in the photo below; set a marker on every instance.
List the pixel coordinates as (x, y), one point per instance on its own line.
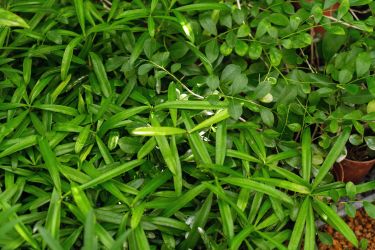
(259, 187)
(371, 85)
(343, 8)
(306, 154)
(54, 215)
(369, 208)
(155, 131)
(112, 173)
(235, 109)
(310, 230)
(90, 240)
(101, 74)
(351, 190)
(10, 19)
(336, 221)
(221, 142)
(80, 12)
(201, 219)
(255, 50)
(332, 156)
(203, 7)
(67, 57)
(275, 56)
(350, 210)
(218, 117)
(213, 82)
(186, 26)
(212, 50)
(284, 184)
(363, 63)
(325, 238)
(47, 237)
(51, 162)
(299, 225)
(267, 117)
(278, 19)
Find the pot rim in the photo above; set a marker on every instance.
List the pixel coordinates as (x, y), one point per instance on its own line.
(353, 161)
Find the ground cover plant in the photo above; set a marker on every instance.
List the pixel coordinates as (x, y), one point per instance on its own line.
(183, 124)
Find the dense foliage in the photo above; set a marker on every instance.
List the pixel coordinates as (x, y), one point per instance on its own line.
(181, 124)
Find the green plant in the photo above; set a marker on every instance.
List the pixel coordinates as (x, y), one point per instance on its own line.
(175, 124)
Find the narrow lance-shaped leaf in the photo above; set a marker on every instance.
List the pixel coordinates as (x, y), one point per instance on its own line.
(332, 217)
(183, 200)
(123, 168)
(81, 199)
(240, 237)
(12, 124)
(186, 26)
(299, 225)
(177, 178)
(226, 218)
(256, 143)
(90, 240)
(306, 154)
(54, 215)
(146, 148)
(51, 162)
(78, 5)
(58, 90)
(257, 186)
(207, 64)
(10, 19)
(193, 105)
(27, 64)
(218, 117)
(203, 7)
(21, 144)
(172, 97)
(221, 142)
(101, 74)
(82, 138)
(284, 184)
(138, 48)
(198, 147)
(157, 131)
(199, 222)
(164, 147)
(47, 238)
(104, 151)
(67, 57)
(310, 230)
(333, 154)
(115, 120)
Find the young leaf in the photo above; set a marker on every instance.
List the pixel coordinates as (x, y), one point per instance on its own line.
(343, 8)
(10, 19)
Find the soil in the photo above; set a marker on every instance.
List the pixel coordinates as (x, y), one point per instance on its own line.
(363, 227)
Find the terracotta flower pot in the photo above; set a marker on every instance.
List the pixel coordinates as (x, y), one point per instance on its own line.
(354, 171)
